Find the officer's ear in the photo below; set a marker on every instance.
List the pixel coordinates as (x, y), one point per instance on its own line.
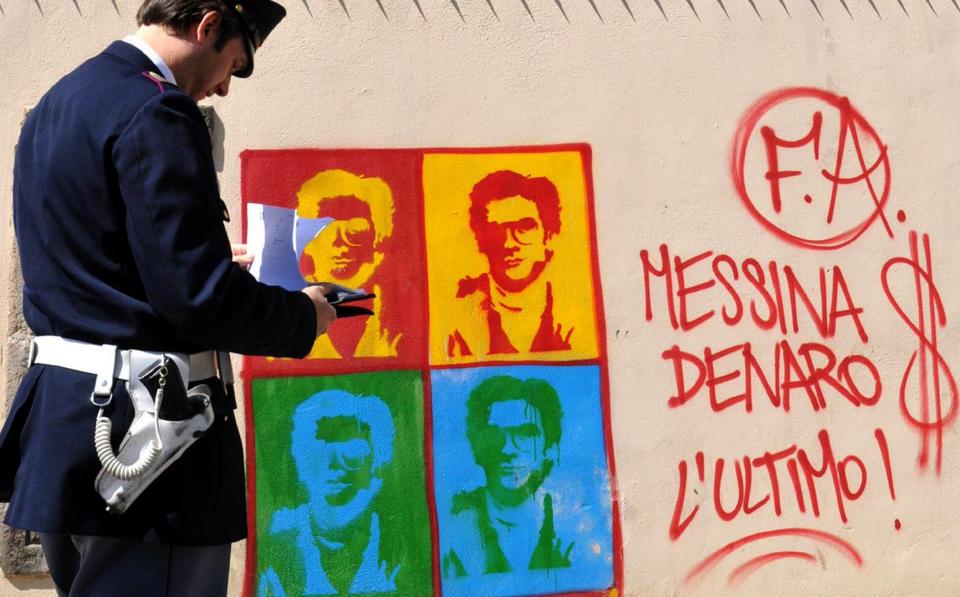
(208, 27)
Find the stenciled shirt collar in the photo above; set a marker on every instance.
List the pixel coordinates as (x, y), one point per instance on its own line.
(144, 47)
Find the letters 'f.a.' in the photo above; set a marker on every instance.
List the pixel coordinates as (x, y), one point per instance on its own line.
(847, 129)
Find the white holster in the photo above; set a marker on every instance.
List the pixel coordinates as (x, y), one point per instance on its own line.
(168, 417)
(154, 441)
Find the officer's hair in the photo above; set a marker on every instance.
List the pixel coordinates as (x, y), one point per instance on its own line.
(179, 15)
(332, 184)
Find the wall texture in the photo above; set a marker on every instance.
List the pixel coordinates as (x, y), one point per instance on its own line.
(772, 183)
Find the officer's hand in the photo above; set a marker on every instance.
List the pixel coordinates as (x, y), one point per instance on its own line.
(241, 256)
(326, 314)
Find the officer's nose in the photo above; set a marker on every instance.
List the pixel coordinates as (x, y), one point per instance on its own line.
(223, 87)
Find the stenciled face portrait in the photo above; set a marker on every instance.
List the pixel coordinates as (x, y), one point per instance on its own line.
(514, 429)
(345, 459)
(514, 460)
(514, 242)
(343, 252)
(535, 498)
(513, 218)
(508, 237)
(337, 454)
(347, 251)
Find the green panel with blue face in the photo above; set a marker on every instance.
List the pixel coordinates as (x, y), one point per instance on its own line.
(340, 485)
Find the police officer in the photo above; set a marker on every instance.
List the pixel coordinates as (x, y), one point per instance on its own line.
(119, 223)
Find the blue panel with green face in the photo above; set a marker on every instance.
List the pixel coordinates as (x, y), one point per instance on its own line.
(521, 480)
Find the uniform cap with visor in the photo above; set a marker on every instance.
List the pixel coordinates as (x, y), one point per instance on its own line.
(257, 19)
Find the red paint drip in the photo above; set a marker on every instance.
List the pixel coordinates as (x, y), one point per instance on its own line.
(885, 454)
(938, 399)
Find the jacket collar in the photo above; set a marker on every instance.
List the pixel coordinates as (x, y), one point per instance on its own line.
(131, 54)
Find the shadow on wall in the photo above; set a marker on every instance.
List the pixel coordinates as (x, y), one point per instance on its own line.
(687, 5)
(216, 130)
(32, 583)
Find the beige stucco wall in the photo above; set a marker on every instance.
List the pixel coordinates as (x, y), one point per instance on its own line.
(659, 102)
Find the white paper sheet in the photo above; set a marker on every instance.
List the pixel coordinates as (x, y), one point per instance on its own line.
(305, 230)
(276, 237)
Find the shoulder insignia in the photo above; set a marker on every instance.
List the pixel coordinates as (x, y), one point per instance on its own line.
(157, 79)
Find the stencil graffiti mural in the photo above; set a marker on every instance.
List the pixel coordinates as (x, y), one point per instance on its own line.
(458, 440)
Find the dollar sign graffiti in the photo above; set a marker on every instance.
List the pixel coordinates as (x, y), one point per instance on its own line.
(931, 370)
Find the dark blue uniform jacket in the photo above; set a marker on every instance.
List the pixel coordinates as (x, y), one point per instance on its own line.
(119, 223)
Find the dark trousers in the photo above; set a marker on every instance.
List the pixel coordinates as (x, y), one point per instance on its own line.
(87, 566)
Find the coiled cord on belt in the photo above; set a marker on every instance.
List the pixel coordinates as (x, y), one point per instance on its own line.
(108, 458)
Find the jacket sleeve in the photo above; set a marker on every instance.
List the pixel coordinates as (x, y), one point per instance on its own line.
(174, 221)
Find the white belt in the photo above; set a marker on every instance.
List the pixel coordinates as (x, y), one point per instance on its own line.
(108, 362)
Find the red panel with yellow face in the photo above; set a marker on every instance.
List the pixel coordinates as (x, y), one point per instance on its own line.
(373, 243)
